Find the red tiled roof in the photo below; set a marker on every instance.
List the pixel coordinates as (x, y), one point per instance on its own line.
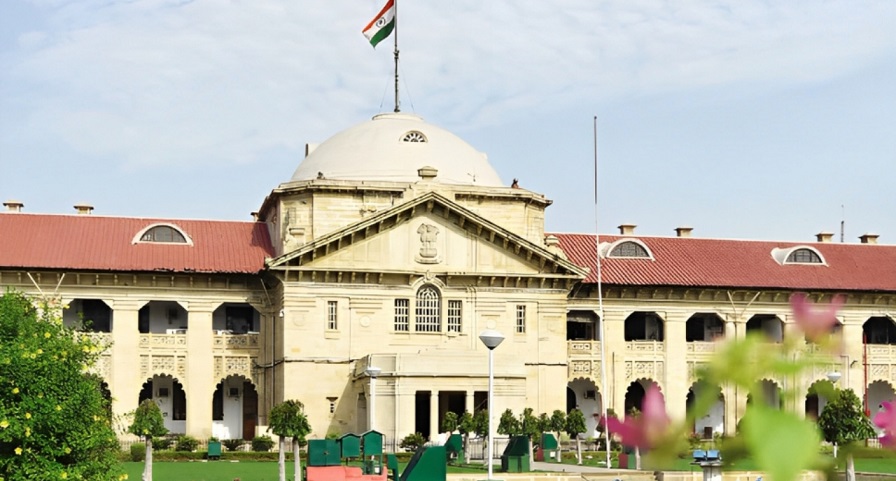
(695, 262)
(90, 242)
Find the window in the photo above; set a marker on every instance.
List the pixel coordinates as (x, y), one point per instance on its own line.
(413, 136)
(163, 233)
(454, 316)
(803, 256)
(428, 313)
(402, 321)
(332, 401)
(520, 319)
(629, 249)
(332, 323)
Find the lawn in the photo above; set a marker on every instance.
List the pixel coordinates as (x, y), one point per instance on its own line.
(228, 470)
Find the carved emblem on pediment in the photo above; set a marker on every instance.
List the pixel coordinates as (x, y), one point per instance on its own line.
(429, 251)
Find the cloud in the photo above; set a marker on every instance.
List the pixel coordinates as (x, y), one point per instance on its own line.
(166, 82)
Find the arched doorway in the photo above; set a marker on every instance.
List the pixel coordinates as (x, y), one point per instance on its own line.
(583, 394)
(817, 397)
(713, 422)
(634, 395)
(169, 394)
(234, 409)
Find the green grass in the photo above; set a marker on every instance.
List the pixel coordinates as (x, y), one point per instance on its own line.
(228, 471)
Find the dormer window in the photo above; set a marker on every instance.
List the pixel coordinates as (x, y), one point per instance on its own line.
(801, 255)
(162, 234)
(627, 249)
(413, 136)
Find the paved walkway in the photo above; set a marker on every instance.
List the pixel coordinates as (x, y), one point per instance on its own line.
(569, 468)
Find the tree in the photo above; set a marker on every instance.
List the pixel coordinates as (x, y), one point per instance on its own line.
(509, 425)
(843, 422)
(148, 423)
(530, 427)
(480, 427)
(575, 425)
(558, 425)
(288, 420)
(54, 420)
(412, 442)
(449, 422)
(465, 426)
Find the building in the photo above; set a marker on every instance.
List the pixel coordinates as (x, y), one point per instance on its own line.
(393, 245)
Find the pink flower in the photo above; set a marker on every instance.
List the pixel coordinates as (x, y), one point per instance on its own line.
(645, 430)
(815, 322)
(886, 420)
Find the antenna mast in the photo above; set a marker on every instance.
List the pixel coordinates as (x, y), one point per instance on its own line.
(605, 389)
(842, 221)
(397, 107)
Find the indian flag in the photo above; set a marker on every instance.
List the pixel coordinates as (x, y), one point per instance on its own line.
(382, 25)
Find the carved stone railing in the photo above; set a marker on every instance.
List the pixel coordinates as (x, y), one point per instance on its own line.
(103, 340)
(247, 343)
(881, 352)
(167, 343)
(577, 348)
(645, 348)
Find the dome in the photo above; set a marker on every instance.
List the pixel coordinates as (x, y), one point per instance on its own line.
(391, 147)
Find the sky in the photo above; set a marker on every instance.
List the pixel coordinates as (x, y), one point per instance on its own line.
(745, 119)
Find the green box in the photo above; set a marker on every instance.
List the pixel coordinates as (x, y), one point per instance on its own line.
(350, 445)
(323, 452)
(372, 443)
(516, 455)
(214, 450)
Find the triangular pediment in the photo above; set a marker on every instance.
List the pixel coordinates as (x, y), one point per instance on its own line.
(428, 234)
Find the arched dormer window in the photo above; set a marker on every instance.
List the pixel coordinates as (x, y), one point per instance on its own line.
(162, 234)
(428, 310)
(626, 249)
(801, 255)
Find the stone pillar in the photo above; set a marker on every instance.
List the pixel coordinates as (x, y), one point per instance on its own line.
(126, 376)
(851, 363)
(470, 403)
(433, 414)
(676, 386)
(616, 372)
(200, 381)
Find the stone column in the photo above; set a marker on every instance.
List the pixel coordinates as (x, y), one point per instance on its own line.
(433, 414)
(616, 357)
(851, 365)
(676, 386)
(200, 381)
(126, 376)
(470, 403)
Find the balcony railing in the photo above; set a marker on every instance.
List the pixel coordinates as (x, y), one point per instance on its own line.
(163, 342)
(645, 347)
(580, 348)
(241, 342)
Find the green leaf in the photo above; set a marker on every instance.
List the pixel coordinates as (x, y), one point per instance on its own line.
(782, 444)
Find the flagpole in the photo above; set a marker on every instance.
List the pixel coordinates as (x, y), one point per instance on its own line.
(600, 309)
(397, 107)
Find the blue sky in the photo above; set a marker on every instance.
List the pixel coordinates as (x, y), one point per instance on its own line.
(743, 119)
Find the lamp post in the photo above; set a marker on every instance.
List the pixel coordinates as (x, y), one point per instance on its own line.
(833, 376)
(372, 372)
(492, 339)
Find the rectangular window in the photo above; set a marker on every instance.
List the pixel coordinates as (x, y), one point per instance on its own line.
(332, 320)
(520, 319)
(454, 316)
(402, 315)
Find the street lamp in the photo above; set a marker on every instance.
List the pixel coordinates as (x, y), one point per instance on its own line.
(833, 376)
(492, 339)
(372, 372)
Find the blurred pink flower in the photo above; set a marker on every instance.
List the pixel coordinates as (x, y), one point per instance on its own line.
(646, 429)
(815, 321)
(886, 420)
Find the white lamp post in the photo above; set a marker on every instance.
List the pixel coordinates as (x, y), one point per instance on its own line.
(372, 372)
(492, 339)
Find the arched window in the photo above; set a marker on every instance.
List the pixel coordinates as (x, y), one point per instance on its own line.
(629, 249)
(428, 312)
(413, 136)
(162, 233)
(803, 256)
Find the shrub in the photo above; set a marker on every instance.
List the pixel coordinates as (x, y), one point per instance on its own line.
(161, 444)
(412, 442)
(262, 443)
(233, 444)
(187, 443)
(138, 452)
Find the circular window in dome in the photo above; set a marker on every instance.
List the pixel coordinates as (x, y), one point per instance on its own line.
(413, 136)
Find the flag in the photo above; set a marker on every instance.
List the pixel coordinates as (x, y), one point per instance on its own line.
(382, 25)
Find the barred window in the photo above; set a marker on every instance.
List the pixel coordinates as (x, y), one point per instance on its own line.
(454, 316)
(803, 256)
(401, 315)
(427, 316)
(629, 249)
(332, 323)
(520, 319)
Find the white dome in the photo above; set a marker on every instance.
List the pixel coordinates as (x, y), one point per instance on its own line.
(391, 147)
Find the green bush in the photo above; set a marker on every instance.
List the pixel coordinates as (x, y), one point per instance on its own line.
(233, 444)
(412, 442)
(161, 444)
(262, 443)
(187, 443)
(138, 452)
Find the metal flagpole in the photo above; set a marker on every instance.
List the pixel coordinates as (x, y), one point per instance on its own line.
(600, 308)
(397, 107)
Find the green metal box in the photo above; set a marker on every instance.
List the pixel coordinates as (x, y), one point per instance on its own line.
(350, 445)
(372, 443)
(516, 455)
(323, 452)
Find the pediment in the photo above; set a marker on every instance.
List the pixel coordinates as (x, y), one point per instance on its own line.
(428, 234)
